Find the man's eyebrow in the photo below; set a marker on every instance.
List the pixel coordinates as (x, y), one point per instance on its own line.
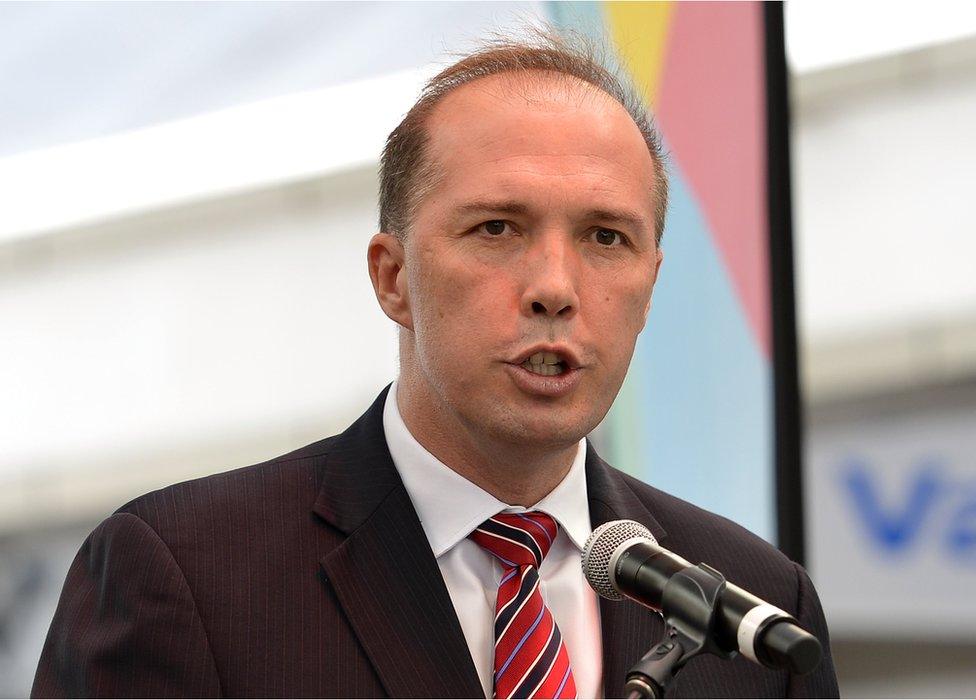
(622, 216)
(515, 208)
(486, 206)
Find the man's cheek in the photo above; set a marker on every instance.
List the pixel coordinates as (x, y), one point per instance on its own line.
(625, 307)
(640, 300)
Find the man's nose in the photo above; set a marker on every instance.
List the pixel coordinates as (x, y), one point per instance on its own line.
(552, 273)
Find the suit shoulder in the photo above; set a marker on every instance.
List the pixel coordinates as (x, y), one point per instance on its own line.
(702, 536)
(232, 494)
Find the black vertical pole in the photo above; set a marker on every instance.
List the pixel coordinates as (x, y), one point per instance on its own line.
(787, 406)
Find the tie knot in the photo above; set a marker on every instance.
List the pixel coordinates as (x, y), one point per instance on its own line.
(517, 539)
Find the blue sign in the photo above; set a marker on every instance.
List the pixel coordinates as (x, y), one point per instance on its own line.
(936, 509)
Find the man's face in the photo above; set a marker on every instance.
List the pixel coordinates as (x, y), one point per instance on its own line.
(530, 264)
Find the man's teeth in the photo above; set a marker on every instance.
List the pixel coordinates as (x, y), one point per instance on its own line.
(547, 364)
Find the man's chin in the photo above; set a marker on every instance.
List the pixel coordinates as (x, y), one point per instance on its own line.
(542, 430)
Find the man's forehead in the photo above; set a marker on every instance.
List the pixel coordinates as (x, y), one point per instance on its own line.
(522, 119)
(531, 89)
(533, 110)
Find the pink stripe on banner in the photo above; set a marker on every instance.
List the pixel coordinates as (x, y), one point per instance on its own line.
(711, 110)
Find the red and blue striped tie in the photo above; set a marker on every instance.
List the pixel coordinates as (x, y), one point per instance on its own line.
(531, 660)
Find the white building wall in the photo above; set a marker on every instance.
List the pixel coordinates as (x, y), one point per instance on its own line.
(883, 184)
(180, 342)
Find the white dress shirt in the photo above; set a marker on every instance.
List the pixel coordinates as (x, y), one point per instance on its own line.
(451, 507)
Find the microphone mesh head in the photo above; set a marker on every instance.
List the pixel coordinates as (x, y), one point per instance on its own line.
(600, 547)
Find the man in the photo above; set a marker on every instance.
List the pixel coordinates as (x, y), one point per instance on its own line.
(433, 548)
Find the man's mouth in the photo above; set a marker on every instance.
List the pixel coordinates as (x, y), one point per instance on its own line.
(548, 364)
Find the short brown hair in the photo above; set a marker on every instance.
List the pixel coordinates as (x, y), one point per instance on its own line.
(406, 171)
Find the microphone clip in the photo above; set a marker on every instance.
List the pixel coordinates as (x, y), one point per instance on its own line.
(688, 606)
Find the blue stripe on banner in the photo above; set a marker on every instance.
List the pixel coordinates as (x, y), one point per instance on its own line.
(695, 415)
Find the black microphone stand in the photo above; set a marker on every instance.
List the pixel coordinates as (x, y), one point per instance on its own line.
(688, 608)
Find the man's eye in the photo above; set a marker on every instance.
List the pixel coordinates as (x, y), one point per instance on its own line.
(607, 237)
(494, 228)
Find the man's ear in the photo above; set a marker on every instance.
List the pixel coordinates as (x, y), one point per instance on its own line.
(385, 257)
(657, 269)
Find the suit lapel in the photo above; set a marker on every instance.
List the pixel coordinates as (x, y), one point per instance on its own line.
(389, 585)
(384, 574)
(628, 629)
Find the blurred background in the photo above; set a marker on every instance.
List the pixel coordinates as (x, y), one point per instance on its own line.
(186, 192)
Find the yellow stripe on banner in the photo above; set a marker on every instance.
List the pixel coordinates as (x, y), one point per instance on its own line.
(640, 33)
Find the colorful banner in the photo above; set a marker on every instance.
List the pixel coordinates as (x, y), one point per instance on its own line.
(695, 415)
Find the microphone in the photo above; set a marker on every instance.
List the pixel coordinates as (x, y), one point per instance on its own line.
(622, 559)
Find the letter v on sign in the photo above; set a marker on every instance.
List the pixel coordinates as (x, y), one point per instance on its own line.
(892, 529)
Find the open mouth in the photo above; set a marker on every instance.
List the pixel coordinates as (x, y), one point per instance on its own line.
(548, 364)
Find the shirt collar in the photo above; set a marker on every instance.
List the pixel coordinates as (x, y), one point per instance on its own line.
(450, 507)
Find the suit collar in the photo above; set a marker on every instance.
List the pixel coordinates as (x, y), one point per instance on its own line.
(628, 630)
(450, 506)
(384, 574)
(358, 473)
(388, 583)
(611, 497)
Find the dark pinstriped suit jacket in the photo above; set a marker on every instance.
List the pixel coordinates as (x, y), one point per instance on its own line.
(310, 575)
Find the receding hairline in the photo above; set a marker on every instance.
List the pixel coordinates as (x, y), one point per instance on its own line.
(547, 58)
(525, 81)
(554, 85)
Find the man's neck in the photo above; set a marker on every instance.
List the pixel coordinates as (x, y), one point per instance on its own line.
(518, 475)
